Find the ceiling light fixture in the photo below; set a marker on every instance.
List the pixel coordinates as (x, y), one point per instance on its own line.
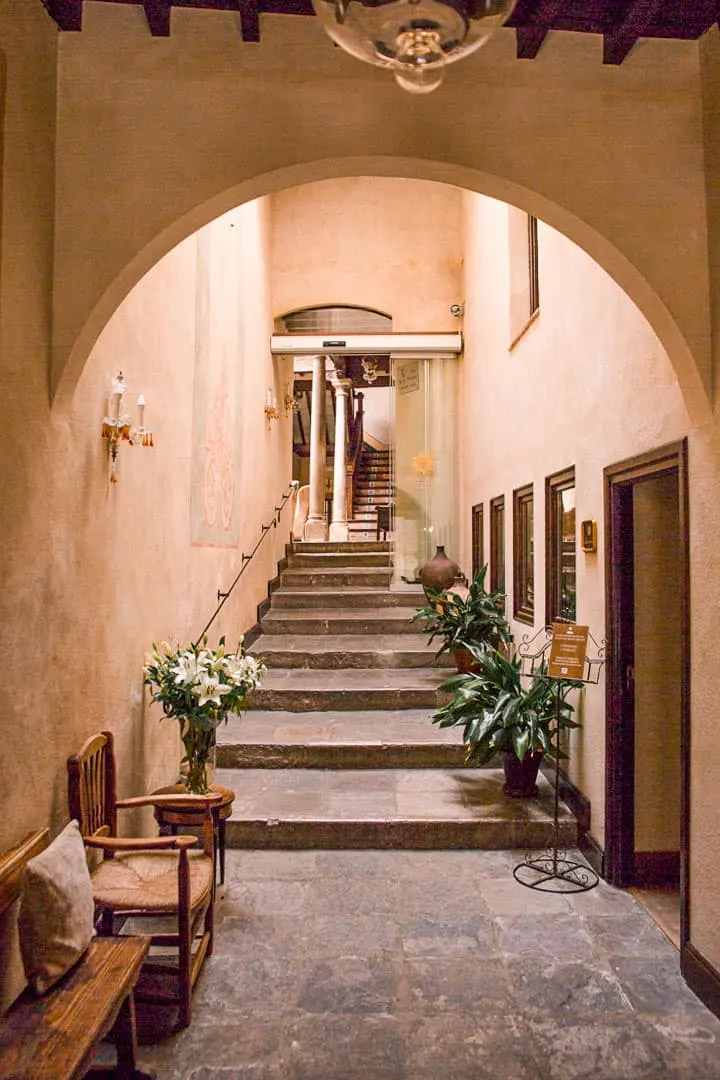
(415, 39)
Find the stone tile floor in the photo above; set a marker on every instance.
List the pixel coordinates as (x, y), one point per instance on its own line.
(411, 965)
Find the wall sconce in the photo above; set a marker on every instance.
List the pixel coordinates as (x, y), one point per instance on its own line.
(370, 369)
(116, 427)
(291, 403)
(271, 409)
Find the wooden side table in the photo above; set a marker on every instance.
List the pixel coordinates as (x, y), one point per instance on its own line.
(172, 819)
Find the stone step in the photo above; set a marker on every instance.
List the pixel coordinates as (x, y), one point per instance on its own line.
(424, 809)
(310, 690)
(327, 547)
(340, 558)
(340, 651)
(328, 621)
(337, 739)
(340, 577)
(347, 597)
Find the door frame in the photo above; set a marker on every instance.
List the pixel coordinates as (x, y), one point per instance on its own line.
(619, 480)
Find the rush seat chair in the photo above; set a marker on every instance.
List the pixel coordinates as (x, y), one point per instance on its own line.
(147, 877)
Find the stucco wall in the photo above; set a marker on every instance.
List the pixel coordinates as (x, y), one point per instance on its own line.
(141, 560)
(587, 385)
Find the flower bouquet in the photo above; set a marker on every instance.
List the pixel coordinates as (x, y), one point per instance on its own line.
(200, 687)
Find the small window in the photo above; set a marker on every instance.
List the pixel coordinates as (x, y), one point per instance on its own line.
(478, 545)
(560, 547)
(524, 272)
(523, 555)
(497, 543)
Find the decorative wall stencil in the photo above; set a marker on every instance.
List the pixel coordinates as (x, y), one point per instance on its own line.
(217, 413)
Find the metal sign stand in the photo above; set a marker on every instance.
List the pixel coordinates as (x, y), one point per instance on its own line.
(553, 871)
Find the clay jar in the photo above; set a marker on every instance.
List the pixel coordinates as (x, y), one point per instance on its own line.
(439, 572)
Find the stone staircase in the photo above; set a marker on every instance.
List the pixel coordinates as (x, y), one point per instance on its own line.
(372, 487)
(338, 749)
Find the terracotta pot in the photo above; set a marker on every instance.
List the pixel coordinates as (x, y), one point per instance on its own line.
(521, 776)
(439, 572)
(465, 662)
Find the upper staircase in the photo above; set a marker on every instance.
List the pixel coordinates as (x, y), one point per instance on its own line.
(372, 487)
(339, 748)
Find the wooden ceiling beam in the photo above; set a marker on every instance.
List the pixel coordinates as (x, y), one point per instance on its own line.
(639, 16)
(249, 19)
(529, 39)
(66, 13)
(157, 13)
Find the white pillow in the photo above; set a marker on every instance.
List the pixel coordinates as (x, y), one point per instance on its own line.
(56, 910)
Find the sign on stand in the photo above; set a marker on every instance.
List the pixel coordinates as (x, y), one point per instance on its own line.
(568, 650)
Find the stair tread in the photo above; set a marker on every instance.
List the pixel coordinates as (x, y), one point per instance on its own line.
(382, 795)
(401, 614)
(387, 727)
(375, 643)
(352, 679)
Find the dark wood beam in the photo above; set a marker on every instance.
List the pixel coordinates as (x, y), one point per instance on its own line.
(639, 16)
(249, 19)
(66, 13)
(157, 13)
(528, 41)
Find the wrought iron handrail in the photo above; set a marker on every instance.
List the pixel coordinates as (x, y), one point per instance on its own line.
(246, 559)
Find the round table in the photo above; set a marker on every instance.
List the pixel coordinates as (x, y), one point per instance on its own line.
(171, 819)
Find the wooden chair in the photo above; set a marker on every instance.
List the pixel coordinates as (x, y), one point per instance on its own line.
(148, 877)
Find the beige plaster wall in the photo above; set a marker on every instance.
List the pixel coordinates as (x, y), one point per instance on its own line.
(125, 564)
(157, 136)
(587, 385)
(386, 244)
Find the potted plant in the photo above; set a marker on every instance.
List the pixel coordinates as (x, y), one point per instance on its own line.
(465, 616)
(503, 711)
(200, 687)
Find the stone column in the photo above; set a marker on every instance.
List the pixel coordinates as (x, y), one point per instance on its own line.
(339, 524)
(316, 525)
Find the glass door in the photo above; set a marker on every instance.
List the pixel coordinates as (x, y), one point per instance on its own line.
(424, 435)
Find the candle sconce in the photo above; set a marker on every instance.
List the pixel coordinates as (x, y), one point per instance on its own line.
(271, 409)
(117, 427)
(291, 403)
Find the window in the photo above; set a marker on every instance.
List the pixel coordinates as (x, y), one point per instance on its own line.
(524, 272)
(497, 543)
(560, 547)
(523, 555)
(478, 546)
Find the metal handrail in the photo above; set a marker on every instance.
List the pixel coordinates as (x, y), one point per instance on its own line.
(246, 559)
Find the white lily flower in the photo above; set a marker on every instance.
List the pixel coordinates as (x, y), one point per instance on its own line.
(211, 689)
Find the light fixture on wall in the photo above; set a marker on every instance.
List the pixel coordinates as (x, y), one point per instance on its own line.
(415, 39)
(117, 426)
(291, 403)
(370, 369)
(271, 409)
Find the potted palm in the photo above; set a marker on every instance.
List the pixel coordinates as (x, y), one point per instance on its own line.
(200, 686)
(464, 616)
(502, 711)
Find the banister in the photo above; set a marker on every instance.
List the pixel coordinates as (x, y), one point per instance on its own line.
(245, 560)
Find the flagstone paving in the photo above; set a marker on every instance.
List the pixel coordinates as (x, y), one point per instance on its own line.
(410, 965)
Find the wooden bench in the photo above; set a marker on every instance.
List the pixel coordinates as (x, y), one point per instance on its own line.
(54, 1037)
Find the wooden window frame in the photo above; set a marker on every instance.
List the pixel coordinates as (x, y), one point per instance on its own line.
(523, 556)
(554, 487)
(497, 543)
(478, 537)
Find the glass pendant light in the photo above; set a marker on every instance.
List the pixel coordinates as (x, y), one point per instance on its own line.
(415, 39)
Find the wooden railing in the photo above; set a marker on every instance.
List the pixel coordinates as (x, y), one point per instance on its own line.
(354, 443)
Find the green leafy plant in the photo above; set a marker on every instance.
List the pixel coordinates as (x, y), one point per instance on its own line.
(499, 708)
(200, 687)
(465, 617)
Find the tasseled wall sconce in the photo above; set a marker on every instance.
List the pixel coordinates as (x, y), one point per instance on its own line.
(117, 428)
(271, 409)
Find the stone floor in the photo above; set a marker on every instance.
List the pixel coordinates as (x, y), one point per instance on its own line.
(341, 965)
